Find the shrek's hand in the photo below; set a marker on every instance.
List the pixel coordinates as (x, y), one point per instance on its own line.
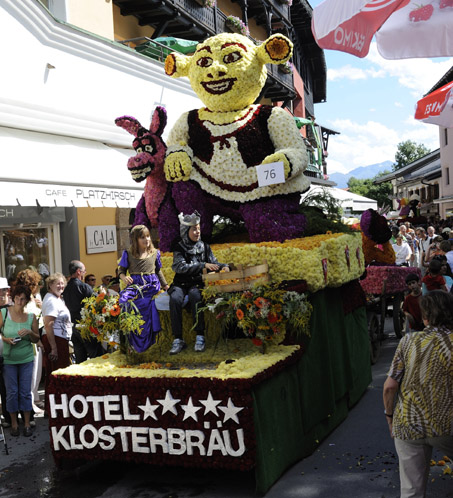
(177, 166)
(279, 157)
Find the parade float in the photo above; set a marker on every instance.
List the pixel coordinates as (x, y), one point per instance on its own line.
(384, 283)
(287, 345)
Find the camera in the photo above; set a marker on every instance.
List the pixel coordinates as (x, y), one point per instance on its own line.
(16, 339)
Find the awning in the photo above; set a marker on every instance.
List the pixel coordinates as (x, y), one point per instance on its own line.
(51, 170)
(347, 200)
(49, 195)
(437, 107)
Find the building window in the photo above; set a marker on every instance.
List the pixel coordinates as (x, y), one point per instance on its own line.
(447, 176)
(445, 137)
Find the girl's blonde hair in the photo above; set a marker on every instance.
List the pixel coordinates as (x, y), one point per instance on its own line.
(137, 232)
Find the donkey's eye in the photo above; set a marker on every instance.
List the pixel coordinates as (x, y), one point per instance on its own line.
(148, 148)
(139, 149)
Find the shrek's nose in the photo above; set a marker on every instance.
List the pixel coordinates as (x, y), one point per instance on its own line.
(217, 70)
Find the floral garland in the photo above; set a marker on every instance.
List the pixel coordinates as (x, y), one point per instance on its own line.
(262, 312)
(296, 259)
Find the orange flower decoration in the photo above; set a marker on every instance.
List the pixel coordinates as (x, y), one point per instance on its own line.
(115, 311)
(240, 314)
(260, 302)
(100, 297)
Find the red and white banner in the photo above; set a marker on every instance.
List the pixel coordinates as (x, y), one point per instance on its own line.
(437, 107)
(403, 29)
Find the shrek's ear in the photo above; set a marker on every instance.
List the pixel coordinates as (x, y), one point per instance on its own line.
(177, 65)
(277, 49)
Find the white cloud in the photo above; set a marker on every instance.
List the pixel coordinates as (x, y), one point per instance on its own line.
(398, 104)
(373, 142)
(418, 75)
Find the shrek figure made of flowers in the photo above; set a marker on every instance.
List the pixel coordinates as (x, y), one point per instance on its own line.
(212, 152)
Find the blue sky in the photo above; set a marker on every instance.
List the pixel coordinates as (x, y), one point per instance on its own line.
(371, 102)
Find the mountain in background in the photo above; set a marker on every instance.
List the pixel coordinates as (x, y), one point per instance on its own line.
(361, 173)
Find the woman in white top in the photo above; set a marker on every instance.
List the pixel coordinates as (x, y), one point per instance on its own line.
(57, 326)
(402, 251)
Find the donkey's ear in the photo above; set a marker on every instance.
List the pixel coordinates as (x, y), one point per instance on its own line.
(158, 121)
(131, 125)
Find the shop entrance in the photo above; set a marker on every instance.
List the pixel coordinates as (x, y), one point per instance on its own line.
(28, 246)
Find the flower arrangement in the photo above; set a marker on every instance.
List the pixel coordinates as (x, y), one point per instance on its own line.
(103, 318)
(207, 3)
(238, 25)
(262, 312)
(286, 67)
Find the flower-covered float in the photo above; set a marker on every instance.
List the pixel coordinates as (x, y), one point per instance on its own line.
(231, 406)
(384, 283)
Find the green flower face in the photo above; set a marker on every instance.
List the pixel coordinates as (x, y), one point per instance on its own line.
(225, 72)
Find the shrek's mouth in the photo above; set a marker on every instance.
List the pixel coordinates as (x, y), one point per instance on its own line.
(219, 86)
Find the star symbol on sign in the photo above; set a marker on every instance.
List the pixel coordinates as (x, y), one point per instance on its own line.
(148, 410)
(210, 404)
(190, 410)
(168, 404)
(230, 411)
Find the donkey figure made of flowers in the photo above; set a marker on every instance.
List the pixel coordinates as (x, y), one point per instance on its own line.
(212, 152)
(148, 164)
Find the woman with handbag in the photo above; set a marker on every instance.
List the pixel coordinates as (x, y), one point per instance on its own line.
(19, 332)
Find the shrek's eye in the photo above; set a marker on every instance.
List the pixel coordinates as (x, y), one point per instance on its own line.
(232, 57)
(148, 148)
(204, 62)
(139, 150)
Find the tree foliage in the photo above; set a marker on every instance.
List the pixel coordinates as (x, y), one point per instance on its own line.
(408, 152)
(380, 192)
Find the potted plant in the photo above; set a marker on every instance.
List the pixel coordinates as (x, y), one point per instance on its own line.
(286, 67)
(207, 3)
(237, 25)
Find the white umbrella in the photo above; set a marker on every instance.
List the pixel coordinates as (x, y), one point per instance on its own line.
(403, 29)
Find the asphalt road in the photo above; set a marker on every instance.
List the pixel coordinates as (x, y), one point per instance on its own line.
(356, 460)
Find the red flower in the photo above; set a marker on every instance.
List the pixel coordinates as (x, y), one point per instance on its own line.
(273, 317)
(257, 341)
(240, 314)
(94, 331)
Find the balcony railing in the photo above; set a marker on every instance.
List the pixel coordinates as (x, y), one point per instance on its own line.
(279, 85)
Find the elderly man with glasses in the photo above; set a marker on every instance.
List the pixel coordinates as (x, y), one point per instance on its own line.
(75, 292)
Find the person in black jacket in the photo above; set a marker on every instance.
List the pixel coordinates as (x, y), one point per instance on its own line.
(73, 295)
(190, 256)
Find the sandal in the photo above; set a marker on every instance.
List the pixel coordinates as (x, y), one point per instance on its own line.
(27, 431)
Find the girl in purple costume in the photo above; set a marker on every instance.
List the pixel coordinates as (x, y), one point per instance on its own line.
(144, 281)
